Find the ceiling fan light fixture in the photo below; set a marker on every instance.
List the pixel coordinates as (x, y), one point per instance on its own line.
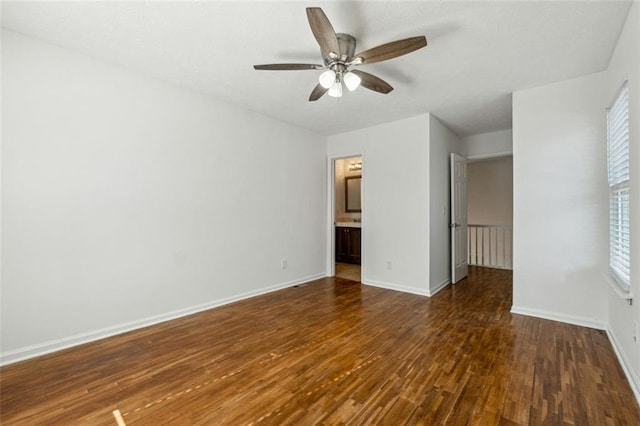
(327, 79)
(335, 91)
(352, 81)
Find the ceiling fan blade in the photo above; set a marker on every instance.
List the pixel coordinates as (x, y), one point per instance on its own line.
(323, 31)
(392, 50)
(371, 82)
(288, 67)
(317, 93)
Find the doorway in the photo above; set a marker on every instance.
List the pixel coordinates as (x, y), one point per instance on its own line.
(490, 212)
(347, 218)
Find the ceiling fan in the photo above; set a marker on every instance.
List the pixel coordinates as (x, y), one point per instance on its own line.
(339, 59)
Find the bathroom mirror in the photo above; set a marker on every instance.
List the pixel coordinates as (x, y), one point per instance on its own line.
(352, 193)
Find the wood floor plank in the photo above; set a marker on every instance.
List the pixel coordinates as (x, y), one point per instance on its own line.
(335, 352)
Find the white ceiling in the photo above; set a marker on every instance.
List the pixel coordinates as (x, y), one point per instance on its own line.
(479, 52)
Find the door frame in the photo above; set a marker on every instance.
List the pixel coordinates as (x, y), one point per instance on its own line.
(331, 212)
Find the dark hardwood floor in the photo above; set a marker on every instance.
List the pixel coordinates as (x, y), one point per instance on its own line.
(335, 352)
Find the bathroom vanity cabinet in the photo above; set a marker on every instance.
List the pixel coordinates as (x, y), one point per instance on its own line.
(348, 244)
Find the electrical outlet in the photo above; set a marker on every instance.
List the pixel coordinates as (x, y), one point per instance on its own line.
(283, 264)
(389, 265)
(635, 331)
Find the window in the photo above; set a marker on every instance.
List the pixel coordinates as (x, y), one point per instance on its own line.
(618, 165)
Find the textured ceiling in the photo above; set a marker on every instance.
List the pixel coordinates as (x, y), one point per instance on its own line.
(479, 52)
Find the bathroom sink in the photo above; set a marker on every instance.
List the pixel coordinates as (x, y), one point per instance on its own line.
(349, 224)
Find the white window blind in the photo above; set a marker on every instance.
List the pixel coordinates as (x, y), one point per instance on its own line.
(618, 165)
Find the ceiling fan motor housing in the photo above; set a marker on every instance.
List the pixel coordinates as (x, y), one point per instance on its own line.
(347, 49)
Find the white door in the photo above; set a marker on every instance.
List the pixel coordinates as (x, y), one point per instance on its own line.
(458, 218)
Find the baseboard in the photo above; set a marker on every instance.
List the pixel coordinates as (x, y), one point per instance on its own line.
(39, 349)
(440, 286)
(404, 289)
(554, 316)
(625, 364)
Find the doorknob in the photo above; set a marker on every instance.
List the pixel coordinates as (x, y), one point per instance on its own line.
(454, 225)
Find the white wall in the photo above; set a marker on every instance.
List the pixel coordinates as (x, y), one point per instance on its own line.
(127, 200)
(560, 201)
(490, 191)
(395, 197)
(486, 145)
(405, 217)
(442, 142)
(625, 65)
